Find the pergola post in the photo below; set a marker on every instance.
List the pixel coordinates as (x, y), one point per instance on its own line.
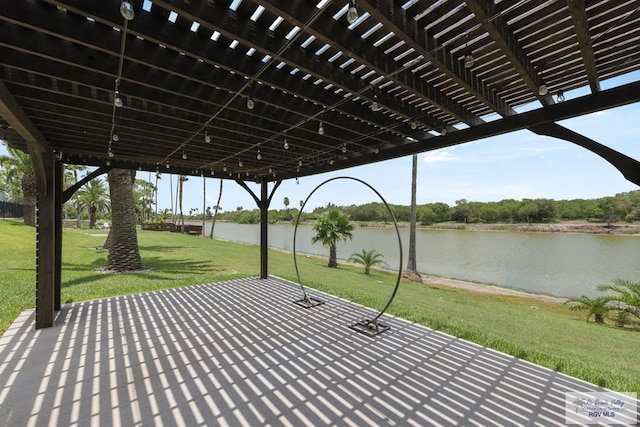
(46, 245)
(263, 202)
(58, 179)
(264, 235)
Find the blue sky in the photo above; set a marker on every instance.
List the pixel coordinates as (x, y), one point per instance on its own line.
(516, 165)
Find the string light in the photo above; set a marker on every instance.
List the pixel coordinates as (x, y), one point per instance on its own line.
(126, 10)
(207, 137)
(352, 13)
(468, 56)
(117, 101)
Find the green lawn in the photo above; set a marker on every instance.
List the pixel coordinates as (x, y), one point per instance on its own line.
(545, 333)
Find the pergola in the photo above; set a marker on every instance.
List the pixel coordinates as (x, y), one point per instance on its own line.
(267, 90)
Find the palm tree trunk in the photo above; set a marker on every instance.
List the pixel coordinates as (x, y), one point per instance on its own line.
(92, 217)
(411, 259)
(124, 254)
(77, 199)
(30, 198)
(333, 256)
(215, 211)
(204, 202)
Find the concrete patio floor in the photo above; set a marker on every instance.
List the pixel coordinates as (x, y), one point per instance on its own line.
(240, 353)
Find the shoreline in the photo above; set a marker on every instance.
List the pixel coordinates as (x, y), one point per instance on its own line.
(488, 289)
(428, 279)
(568, 227)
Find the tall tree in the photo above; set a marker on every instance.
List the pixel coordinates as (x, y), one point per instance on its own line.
(411, 259)
(74, 169)
(94, 197)
(143, 197)
(332, 227)
(19, 167)
(124, 254)
(215, 212)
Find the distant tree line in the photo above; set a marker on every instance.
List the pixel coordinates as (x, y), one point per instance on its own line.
(621, 207)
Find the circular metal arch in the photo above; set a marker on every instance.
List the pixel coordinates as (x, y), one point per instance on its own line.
(395, 223)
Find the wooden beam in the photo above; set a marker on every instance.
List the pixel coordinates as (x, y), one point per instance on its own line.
(37, 145)
(69, 192)
(393, 16)
(497, 27)
(610, 98)
(628, 167)
(581, 26)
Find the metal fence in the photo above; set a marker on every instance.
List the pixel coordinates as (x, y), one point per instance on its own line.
(11, 210)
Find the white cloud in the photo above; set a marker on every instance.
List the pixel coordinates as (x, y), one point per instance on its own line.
(440, 156)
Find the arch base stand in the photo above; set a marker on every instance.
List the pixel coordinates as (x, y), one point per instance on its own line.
(309, 302)
(370, 328)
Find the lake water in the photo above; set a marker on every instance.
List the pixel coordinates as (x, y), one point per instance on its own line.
(551, 263)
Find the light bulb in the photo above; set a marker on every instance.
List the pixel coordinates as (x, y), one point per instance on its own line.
(184, 156)
(561, 97)
(211, 172)
(300, 162)
(414, 125)
(167, 165)
(270, 170)
(543, 89)
(344, 148)
(224, 168)
(115, 137)
(469, 60)
(321, 129)
(376, 150)
(331, 161)
(117, 101)
(375, 106)
(207, 138)
(110, 153)
(108, 163)
(259, 155)
(298, 169)
(250, 103)
(239, 163)
(286, 144)
(126, 10)
(352, 14)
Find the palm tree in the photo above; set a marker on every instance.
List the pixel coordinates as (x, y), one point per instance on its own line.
(18, 166)
(594, 306)
(332, 227)
(12, 189)
(628, 293)
(122, 242)
(93, 196)
(368, 259)
(74, 169)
